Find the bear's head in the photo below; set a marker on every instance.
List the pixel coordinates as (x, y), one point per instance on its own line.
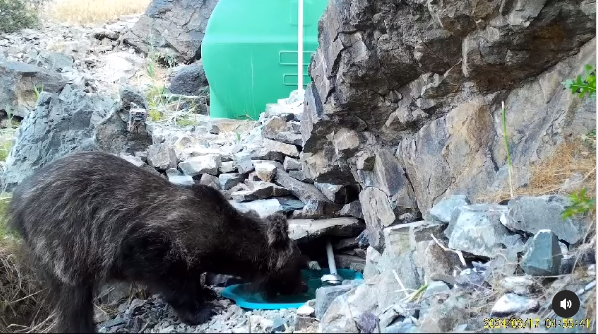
(286, 260)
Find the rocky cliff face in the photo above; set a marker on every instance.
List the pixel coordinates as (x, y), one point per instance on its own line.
(406, 97)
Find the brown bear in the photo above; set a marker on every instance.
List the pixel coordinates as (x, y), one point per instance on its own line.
(92, 217)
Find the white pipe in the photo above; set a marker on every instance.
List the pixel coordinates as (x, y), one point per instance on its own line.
(331, 263)
(300, 47)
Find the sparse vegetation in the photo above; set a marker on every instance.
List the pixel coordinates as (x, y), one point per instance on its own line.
(510, 163)
(17, 15)
(94, 11)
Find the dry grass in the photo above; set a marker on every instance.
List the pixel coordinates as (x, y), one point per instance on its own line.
(95, 11)
(571, 158)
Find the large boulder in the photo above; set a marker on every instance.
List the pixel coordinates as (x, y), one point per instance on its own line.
(426, 81)
(64, 123)
(175, 25)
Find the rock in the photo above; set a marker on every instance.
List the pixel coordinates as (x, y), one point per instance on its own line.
(443, 210)
(210, 180)
(349, 262)
(352, 209)
(367, 323)
(432, 79)
(278, 325)
(267, 207)
(478, 230)
(306, 310)
(512, 304)
(307, 229)
(228, 167)
(438, 264)
(532, 214)
(202, 164)
(305, 192)
(259, 190)
(130, 95)
(229, 180)
(401, 327)
(189, 80)
(326, 295)
(521, 285)
(300, 176)
(62, 123)
(277, 129)
(243, 162)
(372, 260)
(339, 194)
(435, 288)
(343, 244)
(181, 180)
(178, 26)
(377, 213)
(276, 149)
(20, 82)
(161, 156)
(291, 164)
(134, 160)
(543, 257)
(265, 171)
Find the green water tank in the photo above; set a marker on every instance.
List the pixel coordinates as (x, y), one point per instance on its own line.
(249, 53)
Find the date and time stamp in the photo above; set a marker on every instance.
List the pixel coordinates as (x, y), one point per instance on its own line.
(533, 323)
(565, 304)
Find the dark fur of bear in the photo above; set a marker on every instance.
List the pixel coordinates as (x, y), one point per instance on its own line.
(92, 217)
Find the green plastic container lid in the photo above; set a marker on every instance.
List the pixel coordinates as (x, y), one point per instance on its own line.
(249, 53)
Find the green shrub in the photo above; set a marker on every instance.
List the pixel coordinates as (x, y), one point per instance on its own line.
(16, 15)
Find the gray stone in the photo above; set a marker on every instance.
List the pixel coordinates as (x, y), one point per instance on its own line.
(272, 148)
(277, 129)
(305, 192)
(291, 164)
(267, 207)
(443, 210)
(189, 80)
(521, 285)
(259, 190)
(134, 160)
(210, 180)
(65, 123)
(179, 27)
(372, 260)
(161, 156)
(243, 162)
(346, 243)
(181, 180)
(307, 229)
(266, 171)
(201, 164)
(228, 167)
(438, 264)
(229, 180)
(340, 194)
(326, 295)
(543, 256)
(352, 209)
(478, 230)
(19, 82)
(377, 213)
(299, 175)
(316, 210)
(130, 95)
(401, 327)
(532, 214)
(514, 304)
(349, 262)
(435, 288)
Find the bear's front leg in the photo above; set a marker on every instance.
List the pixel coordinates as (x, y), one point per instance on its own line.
(190, 301)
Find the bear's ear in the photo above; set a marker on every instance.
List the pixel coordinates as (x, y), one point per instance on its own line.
(277, 230)
(253, 214)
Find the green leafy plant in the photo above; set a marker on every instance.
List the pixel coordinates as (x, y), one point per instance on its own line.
(186, 121)
(584, 86)
(580, 204)
(38, 91)
(16, 15)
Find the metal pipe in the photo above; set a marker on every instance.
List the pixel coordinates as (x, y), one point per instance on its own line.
(331, 263)
(300, 47)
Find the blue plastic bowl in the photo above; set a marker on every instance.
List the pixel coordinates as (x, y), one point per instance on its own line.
(252, 300)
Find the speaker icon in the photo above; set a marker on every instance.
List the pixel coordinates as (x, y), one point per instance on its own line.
(565, 304)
